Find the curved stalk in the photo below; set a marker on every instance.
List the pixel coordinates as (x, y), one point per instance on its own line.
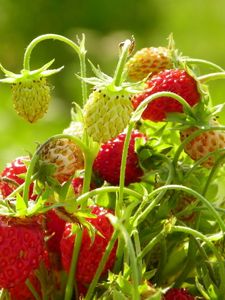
(139, 215)
(204, 238)
(106, 189)
(202, 61)
(189, 191)
(80, 51)
(211, 76)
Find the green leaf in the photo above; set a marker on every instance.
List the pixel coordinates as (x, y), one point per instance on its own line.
(21, 207)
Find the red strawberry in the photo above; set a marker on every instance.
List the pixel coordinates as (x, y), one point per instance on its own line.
(174, 80)
(11, 172)
(108, 161)
(21, 249)
(55, 228)
(178, 294)
(90, 252)
(22, 292)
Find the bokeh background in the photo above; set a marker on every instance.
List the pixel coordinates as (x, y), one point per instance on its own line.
(198, 27)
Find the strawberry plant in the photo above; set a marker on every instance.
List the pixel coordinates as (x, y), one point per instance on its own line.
(127, 202)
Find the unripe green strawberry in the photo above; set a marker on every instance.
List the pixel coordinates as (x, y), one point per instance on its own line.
(30, 91)
(107, 113)
(65, 156)
(148, 61)
(31, 98)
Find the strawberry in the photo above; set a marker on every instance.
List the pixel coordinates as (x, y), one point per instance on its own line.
(30, 91)
(31, 99)
(10, 177)
(91, 252)
(203, 144)
(55, 228)
(178, 294)
(108, 161)
(22, 292)
(65, 156)
(108, 109)
(183, 202)
(148, 61)
(106, 113)
(173, 80)
(21, 249)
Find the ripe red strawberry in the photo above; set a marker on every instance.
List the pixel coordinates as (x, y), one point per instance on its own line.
(174, 80)
(22, 292)
(55, 228)
(11, 173)
(77, 184)
(65, 156)
(178, 294)
(90, 252)
(108, 161)
(21, 249)
(203, 144)
(148, 61)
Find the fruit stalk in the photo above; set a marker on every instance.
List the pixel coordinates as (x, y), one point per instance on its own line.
(80, 51)
(118, 75)
(101, 265)
(201, 236)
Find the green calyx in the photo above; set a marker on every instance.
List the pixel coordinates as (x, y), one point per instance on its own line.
(27, 75)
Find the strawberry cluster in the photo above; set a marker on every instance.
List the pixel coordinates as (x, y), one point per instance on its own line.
(127, 202)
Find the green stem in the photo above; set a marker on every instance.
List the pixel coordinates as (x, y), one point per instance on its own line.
(80, 51)
(118, 78)
(138, 251)
(139, 215)
(204, 238)
(190, 264)
(107, 189)
(186, 190)
(211, 76)
(71, 278)
(161, 235)
(133, 259)
(101, 265)
(123, 169)
(87, 176)
(216, 166)
(202, 61)
(32, 289)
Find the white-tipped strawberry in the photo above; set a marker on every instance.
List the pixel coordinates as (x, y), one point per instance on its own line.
(205, 143)
(30, 91)
(65, 157)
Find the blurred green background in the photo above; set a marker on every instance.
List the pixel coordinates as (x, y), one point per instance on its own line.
(198, 27)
